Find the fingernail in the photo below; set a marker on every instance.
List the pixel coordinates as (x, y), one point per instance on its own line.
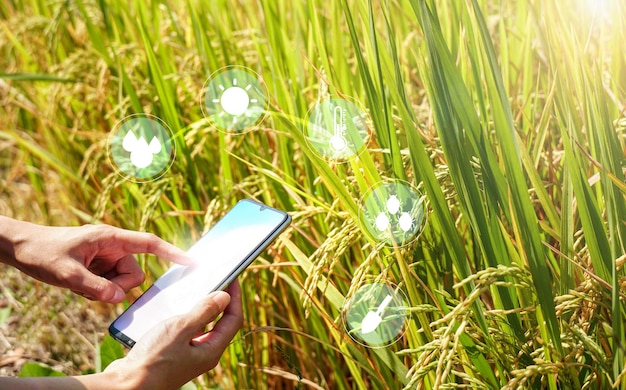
(118, 296)
(190, 260)
(221, 298)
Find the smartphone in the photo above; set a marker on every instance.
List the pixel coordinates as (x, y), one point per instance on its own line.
(221, 255)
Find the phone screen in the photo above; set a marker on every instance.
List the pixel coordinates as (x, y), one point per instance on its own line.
(221, 254)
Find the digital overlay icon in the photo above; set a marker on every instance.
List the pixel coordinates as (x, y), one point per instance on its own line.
(338, 141)
(373, 318)
(337, 129)
(393, 212)
(141, 153)
(141, 147)
(234, 99)
(375, 315)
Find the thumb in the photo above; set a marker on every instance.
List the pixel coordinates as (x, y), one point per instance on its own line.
(95, 287)
(204, 312)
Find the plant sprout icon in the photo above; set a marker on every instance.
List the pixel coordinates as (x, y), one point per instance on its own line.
(141, 153)
(235, 100)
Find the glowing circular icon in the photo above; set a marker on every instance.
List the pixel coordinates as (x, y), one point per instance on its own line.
(337, 129)
(141, 147)
(234, 99)
(375, 315)
(393, 211)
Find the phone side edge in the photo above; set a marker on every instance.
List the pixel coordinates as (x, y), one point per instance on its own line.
(268, 241)
(120, 337)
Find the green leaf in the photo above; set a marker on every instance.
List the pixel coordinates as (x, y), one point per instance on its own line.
(189, 386)
(109, 351)
(37, 370)
(35, 77)
(5, 313)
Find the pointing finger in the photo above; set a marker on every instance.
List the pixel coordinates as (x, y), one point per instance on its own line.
(141, 242)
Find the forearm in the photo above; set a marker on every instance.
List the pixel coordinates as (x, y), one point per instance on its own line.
(104, 381)
(12, 233)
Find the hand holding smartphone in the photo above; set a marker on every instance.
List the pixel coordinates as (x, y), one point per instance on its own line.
(221, 255)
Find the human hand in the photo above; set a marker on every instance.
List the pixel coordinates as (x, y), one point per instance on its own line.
(171, 354)
(95, 261)
(178, 350)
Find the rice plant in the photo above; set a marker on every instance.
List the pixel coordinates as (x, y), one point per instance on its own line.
(507, 116)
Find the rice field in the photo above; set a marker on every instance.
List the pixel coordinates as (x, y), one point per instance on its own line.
(508, 117)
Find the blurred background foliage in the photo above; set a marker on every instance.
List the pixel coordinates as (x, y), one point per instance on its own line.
(507, 115)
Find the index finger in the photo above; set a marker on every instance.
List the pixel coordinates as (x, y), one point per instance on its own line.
(141, 242)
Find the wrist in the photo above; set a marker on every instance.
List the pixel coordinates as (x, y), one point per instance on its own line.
(126, 375)
(122, 377)
(12, 234)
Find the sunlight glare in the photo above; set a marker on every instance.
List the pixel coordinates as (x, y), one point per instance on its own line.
(598, 8)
